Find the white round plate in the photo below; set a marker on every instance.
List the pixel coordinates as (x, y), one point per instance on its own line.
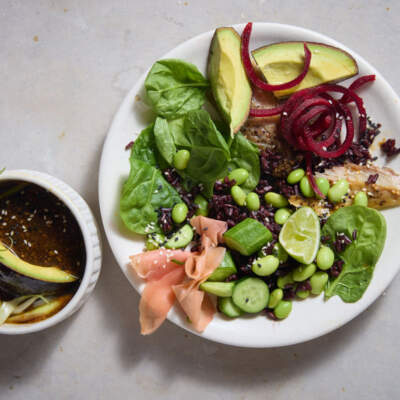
(310, 318)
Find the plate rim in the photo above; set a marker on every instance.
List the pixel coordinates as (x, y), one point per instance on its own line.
(128, 99)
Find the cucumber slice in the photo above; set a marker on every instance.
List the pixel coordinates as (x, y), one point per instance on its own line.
(154, 241)
(227, 307)
(180, 238)
(225, 269)
(251, 295)
(247, 237)
(221, 289)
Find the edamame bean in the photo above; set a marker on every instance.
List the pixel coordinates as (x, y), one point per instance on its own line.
(282, 281)
(295, 176)
(318, 282)
(338, 191)
(181, 159)
(306, 188)
(239, 196)
(240, 175)
(282, 215)
(325, 258)
(202, 204)
(280, 252)
(302, 294)
(323, 185)
(283, 309)
(265, 266)
(179, 212)
(361, 199)
(252, 201)
(303, 272)
(275, 297)
(276, 200)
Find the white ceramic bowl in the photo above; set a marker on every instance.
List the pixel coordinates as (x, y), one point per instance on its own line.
(91, 237)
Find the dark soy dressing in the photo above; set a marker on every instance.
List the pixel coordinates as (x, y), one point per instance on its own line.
(40, 229)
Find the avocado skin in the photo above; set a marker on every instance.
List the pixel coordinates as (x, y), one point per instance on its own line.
(13, 285)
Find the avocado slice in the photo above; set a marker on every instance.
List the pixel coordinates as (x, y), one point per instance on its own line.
(46, 274)
(282, 62)
(229, 84)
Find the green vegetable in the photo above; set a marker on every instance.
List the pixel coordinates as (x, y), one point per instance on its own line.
(265, 266)
(295, 176)
(284, 280)
(244, 154)
(306, 188)
(164, 140)
(303, 272)
(179, 213)
(181, 238)
(143, 194)
(181, 159)
(251, 295)
(361, 255)
(227, 306)
(175, 87)
(202, 205)
(302, 294)
(253, 201)
(361, 199)
(154, 241)
(282, 215)
(276, 200)
(275, 297)
(325, 258)
(145, 149)
(238, 195)
(280, 252)
(323, 185)
(220, 289)
(338, 191)
(239, 175)
(247, 237)
(318, 282)
(225, 269)
(209, 153)
(283, 309)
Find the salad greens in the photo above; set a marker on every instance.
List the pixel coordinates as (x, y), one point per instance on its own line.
(175, 87)
(164, 140)
(361, 255)
(143, 194)
(245, 154)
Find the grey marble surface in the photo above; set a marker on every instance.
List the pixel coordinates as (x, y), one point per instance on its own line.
(65, 67)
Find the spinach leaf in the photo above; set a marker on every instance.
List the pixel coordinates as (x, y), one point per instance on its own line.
(145, 149)
(245, 154)
(209, 153)
(176, 128)
(175, 87)
(359, 257)
(143, 194)
(164, 140)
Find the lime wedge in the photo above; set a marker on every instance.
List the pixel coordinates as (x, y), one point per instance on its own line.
(300, 235)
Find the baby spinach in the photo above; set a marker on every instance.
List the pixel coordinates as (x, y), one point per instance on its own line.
(175, 87)
(143, 194)
(209, 153)
(164, 140)
(361, 255)
(245, 154)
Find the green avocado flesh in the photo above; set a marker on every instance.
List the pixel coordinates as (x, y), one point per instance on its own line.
(229, 84)
(47, 274)
(282, 62)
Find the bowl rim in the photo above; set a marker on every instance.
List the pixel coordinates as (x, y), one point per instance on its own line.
(54, 186)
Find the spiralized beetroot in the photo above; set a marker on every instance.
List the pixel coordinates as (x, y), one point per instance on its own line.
(312, 119)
